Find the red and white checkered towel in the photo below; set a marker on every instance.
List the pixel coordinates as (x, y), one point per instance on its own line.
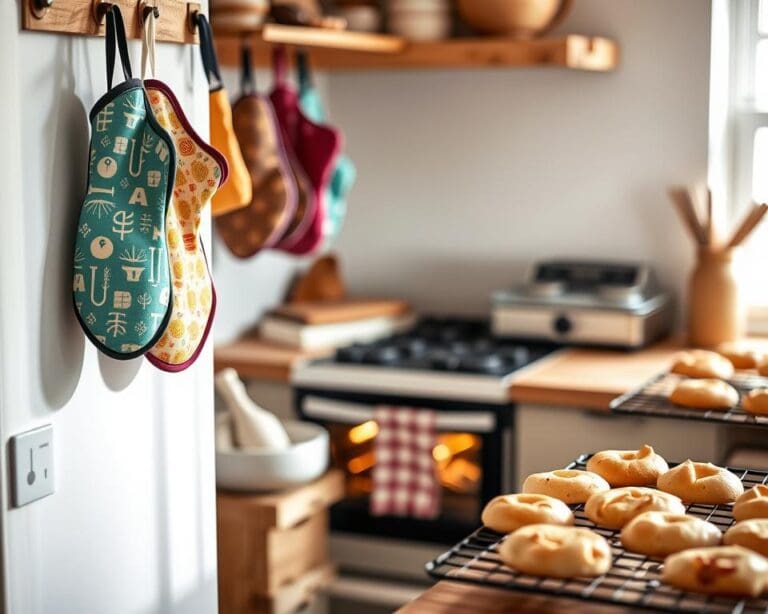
(404, 479)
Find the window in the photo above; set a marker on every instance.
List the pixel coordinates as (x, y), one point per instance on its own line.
(743, 151)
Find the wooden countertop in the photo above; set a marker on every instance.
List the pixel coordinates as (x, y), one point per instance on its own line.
(254, 358)
(590, 378)
(581, 378)
(450, 597)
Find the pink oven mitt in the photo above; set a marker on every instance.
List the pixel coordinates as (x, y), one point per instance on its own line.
(316, 147)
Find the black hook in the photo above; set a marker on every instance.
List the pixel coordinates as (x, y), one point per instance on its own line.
(100, 10)
(193, 16)
(148, 10)
(40, 7)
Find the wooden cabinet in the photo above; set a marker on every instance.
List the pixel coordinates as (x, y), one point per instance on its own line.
(273, 549)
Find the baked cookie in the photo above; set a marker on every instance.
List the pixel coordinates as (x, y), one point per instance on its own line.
(615, 508)
(762, 367)
(756, 401)
(556, 551)
(704, 394)
(507, 513)
(702, 363)
(752, 534)
(752, 504)
(628, 467)
(720, 570)
(659, 534)
(701, 483)
(740, 354)
(568, 485)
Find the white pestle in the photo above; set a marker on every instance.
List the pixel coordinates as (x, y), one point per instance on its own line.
(224, 435)
(254, 427)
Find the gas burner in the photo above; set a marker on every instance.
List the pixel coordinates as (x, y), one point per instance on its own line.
(439, 357)
(352, 353)
(461, 346)
(385, 355)
(515, 355)
(492, 364)
(442, 360)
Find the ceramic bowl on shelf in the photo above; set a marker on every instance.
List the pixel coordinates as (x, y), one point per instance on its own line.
(270, 470)
(361, 17)
(420, 20)
(239, 15)
(519, 18)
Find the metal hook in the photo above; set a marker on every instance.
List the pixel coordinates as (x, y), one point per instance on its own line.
(193, 10)
(39, 8)
(100, 10)
(147, 9)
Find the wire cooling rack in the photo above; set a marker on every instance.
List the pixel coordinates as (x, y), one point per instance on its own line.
(652, 400)
(634, 580)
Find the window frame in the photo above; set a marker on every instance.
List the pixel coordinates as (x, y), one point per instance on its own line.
(735, 116)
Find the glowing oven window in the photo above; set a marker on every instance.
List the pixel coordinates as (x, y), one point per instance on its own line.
(457, 465)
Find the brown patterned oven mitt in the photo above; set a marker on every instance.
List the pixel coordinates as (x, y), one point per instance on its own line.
(266, 219)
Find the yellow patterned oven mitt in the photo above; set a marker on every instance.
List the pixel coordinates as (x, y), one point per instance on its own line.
(200, 170)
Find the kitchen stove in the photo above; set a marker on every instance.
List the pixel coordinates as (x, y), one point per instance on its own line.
(457, 369)
(451, 366)
(445, 357)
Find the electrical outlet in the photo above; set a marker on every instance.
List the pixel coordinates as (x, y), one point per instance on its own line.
(32, 465)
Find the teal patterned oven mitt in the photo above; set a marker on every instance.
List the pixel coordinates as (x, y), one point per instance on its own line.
(344, 173)
(121, 285)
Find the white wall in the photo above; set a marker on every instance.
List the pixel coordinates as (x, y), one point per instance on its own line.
(467, 176)
(131, 527)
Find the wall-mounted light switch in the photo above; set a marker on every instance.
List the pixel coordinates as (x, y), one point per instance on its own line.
(32, 465)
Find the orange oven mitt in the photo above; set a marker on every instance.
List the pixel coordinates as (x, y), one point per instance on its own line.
(237, 192)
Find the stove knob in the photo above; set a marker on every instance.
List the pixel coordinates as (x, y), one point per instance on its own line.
(562, 325)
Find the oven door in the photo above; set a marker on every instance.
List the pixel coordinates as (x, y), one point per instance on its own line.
(472, 455)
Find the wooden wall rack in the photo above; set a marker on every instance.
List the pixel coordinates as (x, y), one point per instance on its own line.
(175, 24)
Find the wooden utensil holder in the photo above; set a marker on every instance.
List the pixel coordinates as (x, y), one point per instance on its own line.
(715, 306)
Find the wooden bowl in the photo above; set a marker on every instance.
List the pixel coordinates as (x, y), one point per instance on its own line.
(519, 18)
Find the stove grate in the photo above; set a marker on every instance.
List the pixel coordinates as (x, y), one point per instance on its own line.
(652, 400)
(634, 580)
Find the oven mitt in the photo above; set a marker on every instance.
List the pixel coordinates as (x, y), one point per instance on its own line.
(316, 148)
(200, 170)
(236, 192)
(121, 285)
(264, 221)
(305, 203)
(344, 173)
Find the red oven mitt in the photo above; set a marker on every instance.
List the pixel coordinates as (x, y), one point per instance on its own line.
(315, 146)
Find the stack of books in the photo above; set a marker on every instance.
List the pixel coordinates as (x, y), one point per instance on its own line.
(321, 325)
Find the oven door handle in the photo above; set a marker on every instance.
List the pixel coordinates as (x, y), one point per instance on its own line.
(331, 410)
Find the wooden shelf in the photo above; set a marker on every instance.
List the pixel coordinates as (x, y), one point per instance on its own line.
(332, 39)
(572, 51)
(313, 38)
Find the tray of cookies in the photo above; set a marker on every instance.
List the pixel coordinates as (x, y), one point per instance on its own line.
(705, 385)
(623, 527)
